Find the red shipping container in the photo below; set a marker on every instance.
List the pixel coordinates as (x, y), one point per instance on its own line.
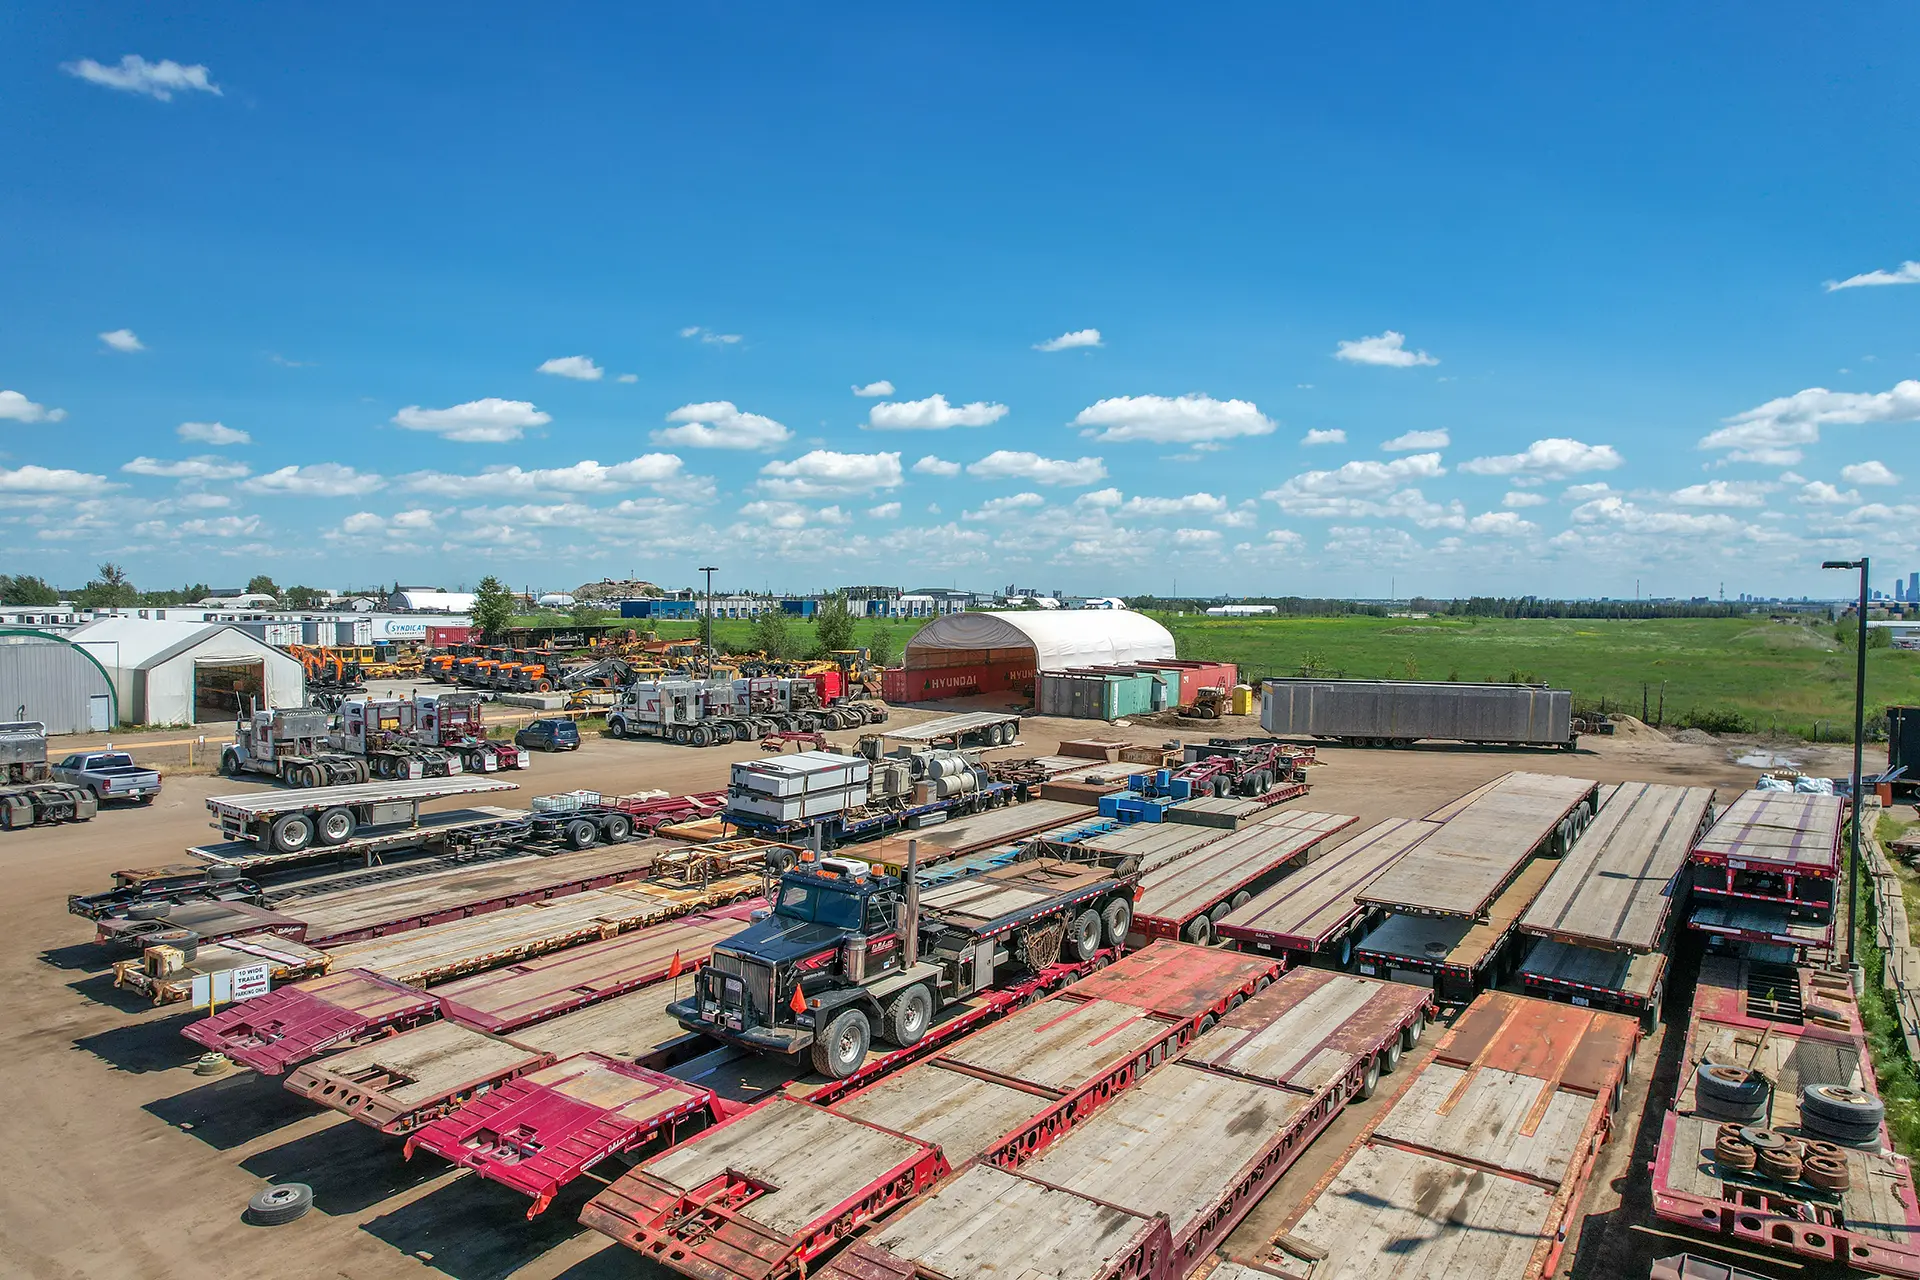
(927, 684)
(445, 637)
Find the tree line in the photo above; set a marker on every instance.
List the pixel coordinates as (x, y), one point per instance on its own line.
(111, 588)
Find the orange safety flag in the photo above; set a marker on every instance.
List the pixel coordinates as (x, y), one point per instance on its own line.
(673, 970)
(799, 1002)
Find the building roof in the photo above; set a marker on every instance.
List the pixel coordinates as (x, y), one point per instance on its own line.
(1069, 638)
(144, 643)
(435, 601)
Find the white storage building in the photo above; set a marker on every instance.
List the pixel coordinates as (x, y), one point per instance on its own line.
(966, 653)
(171, 672)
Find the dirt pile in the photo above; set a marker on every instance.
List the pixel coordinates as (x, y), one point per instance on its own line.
(1695, 737)
(1632, 728)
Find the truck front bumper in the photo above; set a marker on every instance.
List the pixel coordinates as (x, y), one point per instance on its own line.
(782, 1040)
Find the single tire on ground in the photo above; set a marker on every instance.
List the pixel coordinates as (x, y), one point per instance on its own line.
(1115, 919)
(617, 727)
(909, 1016)
(839, 1050)
(336, 826)
(276, 1206)
(292, 832)
(1083, 935)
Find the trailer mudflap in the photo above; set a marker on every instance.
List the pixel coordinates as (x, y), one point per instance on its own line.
(540, 1132)
(287, 1026)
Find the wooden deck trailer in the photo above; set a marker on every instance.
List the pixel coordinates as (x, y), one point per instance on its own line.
(1457, 958)
(1148, 1186)
(1774, 846)
(1155, 843)
(269, 828)
(1798, 1027)
(1606, 918)
(1768, 923)
(962, 836)
(1478, 1165)
(1315, 914)
(1184, 897)
(1485, 838)
(763, 1194)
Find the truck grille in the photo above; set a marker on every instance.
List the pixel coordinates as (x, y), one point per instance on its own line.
(756, 982)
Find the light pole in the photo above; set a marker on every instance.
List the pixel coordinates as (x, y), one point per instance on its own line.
(1859, 736)
(706, 618)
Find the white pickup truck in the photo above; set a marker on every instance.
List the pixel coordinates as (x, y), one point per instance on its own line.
(110, 775)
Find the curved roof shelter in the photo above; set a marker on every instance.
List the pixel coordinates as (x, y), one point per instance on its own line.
(1056, 640)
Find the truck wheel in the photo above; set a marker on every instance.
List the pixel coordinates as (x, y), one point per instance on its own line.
(909, 1016)
(619, 829)
(1083, 936)
(617, 727)
(278, 1205)
(842, 1047)
(1115, 919)
(701, 736)
(292, 832)
(1410, 1035)
(230, 763)
(680, 734)
(1240, 900)
(1199, 931)
(580, 834)
(1390, 1056)
(723, 733)
(1369, 1082)
(336, 825)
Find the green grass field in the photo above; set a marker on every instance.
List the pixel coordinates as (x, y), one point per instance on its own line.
(1785, 677)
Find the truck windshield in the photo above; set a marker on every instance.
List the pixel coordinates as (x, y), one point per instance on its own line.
(819, 904)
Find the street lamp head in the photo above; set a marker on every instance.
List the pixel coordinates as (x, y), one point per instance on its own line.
(1841, 564)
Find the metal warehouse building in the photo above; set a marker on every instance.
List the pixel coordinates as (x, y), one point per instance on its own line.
(167, 672)
(48, 678)
(966, 653)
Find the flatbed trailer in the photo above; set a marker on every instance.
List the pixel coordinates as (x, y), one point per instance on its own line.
(1147, 1187)
(1767, 923)
(1478, 1165)
(273, 819)
(1627, 982)
(1484, 840)
(1458, 958)
(869, 822)
(1007, 854)
(1781, 846)
(481, 827)
(286, 961)
(768, 1191)
(195, 922)
(154, 887)
(1184, 898)
(564, 1122)
(1315, 913)
(964, 729)
(1797, 1027)
(1156, 844)
(962, 836)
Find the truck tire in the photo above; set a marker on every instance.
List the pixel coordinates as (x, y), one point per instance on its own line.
(839, 1050)
(619, 829)
(1199, 931)
(580, 834)
(617, 727)
(1390, 1056)
(147, 910)
(1083, 935)
(276, 1206)
(1368, 1082)
(909, 1016)
(1240, 900)
(230, 763)
(336, 826)
(1116, 918)
(1410, 1034)
(701, 736)
(680, 735)
(1840, 1114)
(723, 733)
(1730, 1092)
(291, 832)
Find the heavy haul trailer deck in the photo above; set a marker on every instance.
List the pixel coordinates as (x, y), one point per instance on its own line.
(1768, 923)
(1761, 1016)
(944, 841)
(1315, 912)
(1007, 854)
(347, 1008)
(1483, 842)
(1456, 957)
(765, 1193)
(966, 729)
(1182, 899)
(1148, 1186)
(1478, 1166)
(293, 822)
(1628, 982)
(355, 914)
(1775, 845)
(457, 830)
(1156, 844)
(1616, 885)
(196, 922)
(286, 961)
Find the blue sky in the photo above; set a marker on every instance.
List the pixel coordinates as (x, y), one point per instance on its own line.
(1480, 302)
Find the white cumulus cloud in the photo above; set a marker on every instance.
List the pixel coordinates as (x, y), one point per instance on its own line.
(1192, 504)
(1505, 524)
(880, 388)
(587, 476)
(580, 368)
(1009, 464)
(134, 74)
(932, 414)
(628, 377)
(318, 480)
(1068, 341)
(932, 466)
(1100, 498)
(1196, 537)
(1870, 472)
(1905, 273)
(1387, 348)
(487, 421)
(123, 340)
(15, 407)
(1172, 419)
(214, 433)
(718, 424)
(34, 479)
(1552, 459)
(205, 467)
(1723, 493)
(1772, 433)
(1328, 435)
(1413, 440)
(1819, 493)
(826, 473)
(1361, 476)
(993, 507)
(1521, 498)
(885, 511)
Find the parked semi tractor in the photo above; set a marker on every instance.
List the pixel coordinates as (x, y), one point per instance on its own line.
(431, 736)
(29, 795)
(1398, 713)
(705, 713)
(847, 951)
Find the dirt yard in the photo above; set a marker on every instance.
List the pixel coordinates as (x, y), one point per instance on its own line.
(127, 1165)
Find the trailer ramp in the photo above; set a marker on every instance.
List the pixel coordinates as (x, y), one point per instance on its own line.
(291, 1024)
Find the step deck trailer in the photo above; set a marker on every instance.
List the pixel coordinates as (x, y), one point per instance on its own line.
(1156, 844)
(1486, 837)
(1478, 1165)
(1185, 898)
(400, 1083)
(1742, 1015)
(538, 1132)
(1606, 919)
(353, 1006)
(1314, 914)
(479, 828)
(767, 1192)
(292, 822)
(1147, 1187)
(196, 922)
(1007, 854)
(1457, 958)
(1775, 846)
(944, 841)
(964, 729)
(1767, 923)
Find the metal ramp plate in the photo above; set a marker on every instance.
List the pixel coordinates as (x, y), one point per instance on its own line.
(287, 1026)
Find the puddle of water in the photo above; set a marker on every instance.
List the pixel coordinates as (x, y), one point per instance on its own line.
(1757, 759)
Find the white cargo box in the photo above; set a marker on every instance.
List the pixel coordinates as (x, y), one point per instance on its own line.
(821, 803)
(566, 801)
(802, 774)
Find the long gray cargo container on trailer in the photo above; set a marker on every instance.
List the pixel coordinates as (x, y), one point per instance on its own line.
(1398, 713)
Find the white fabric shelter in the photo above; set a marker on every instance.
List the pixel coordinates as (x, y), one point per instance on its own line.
(1059, 640)
(169, 672)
